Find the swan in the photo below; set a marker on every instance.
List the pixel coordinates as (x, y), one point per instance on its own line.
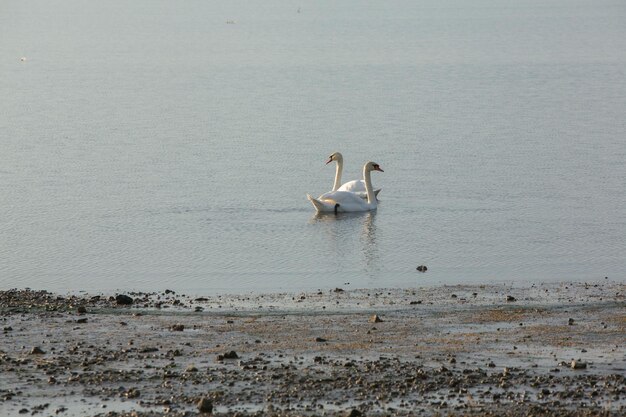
(345, 201)
(354, 186)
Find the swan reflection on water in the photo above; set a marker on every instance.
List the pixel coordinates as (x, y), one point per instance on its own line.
(350, 235)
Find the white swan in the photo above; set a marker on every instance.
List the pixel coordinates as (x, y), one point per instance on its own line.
(345, 201)
(354, 186)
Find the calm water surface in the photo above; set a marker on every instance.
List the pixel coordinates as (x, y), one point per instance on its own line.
(151, 144)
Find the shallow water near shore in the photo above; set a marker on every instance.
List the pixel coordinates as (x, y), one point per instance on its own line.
(151, 144)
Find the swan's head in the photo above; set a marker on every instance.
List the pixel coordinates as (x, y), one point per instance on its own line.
(373, 166)
(337, 157)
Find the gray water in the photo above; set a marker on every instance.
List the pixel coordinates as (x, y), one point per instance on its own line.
(152, 144)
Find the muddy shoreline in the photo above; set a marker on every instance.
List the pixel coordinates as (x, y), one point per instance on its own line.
(496, 350)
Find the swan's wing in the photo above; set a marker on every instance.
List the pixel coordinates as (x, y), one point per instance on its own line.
(354, 186)
(340, 201)
(357, 187)
(348, 202)
(340, 197)
(362, 194)
(327, 196)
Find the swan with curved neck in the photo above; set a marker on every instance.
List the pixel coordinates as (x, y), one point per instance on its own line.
(345, 201)
(354, 186)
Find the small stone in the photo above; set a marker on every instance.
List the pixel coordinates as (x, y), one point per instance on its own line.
(132, 393)
(81, 321)
(320, 339)
(149, 350)
(37, 351)
(205, 405)
(177, 328)
(191, 368)
(375, 319)
(354, 413)
(578, 365)
(510, 298)
(422, 268)
(81, 310)
(123, 300)
(338, 290)
(570, 321)
(454, 296)
(231, 355)
(415, 302)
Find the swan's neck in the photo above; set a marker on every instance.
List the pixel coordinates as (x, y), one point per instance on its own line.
(367, 178)
(338, 172)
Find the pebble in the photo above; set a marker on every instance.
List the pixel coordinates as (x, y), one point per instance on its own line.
(205, 405)
(177, 328)
(36, 351)
(422, 268)
(132, 393)
(510, 298)
(228, 355)
(375, 319)
(123, 300)
(578, 365)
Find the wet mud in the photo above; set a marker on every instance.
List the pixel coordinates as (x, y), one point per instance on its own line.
(497, 350)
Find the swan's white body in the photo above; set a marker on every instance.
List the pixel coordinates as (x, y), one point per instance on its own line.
(354, 186)
(345, 201)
